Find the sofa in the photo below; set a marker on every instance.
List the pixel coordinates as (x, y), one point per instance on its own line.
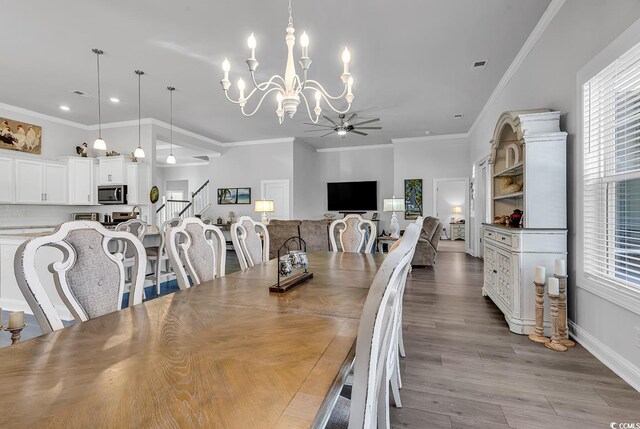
(314, 232)
(427, 248)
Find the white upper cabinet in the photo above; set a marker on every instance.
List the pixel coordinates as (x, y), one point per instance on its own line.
(81, 181)
(29, 176)
(8, 180)
(54, 183)
(111, 170)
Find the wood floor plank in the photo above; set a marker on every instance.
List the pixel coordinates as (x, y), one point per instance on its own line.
(464, 364)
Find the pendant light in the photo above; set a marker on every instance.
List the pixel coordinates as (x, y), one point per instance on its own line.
(99, 144)
(139, 152)
(171, 159)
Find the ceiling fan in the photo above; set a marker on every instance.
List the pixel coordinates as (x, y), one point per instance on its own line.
(344, 125)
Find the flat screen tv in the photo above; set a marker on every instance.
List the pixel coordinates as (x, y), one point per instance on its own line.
(352, 196)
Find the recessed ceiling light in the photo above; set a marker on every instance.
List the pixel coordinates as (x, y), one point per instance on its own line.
(114, 100)
(65, 108)
(458, 116)
(427, 132)
(479, 65)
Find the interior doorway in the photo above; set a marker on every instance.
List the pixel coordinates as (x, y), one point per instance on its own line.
(451, 206)
(278, 191)
(480, 203)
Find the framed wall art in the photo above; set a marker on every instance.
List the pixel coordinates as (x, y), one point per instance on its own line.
(20, 136)
(412, 198)
(234, 196)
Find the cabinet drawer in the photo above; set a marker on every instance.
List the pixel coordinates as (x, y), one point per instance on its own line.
(503, 238)
(489, 235)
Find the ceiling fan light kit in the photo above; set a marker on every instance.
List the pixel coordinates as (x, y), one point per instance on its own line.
(289, 89)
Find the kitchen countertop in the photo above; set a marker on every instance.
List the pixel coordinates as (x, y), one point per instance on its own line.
(4, 228)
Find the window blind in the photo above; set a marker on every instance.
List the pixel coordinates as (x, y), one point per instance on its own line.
(611, 213)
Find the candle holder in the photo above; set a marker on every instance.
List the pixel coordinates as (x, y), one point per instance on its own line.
(562, 313)
(537, 335)
(16, 333)
(555, 343)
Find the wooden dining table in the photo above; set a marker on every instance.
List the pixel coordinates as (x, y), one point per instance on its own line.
(223, 354)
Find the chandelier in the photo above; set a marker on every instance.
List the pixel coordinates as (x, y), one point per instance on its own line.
(289, 90)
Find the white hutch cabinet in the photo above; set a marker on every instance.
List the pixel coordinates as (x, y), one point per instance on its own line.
(528, 157)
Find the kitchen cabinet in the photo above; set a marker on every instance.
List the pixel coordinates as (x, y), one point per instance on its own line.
(8, 180)
(111, 170)
(40, 182)
(137, 183)
(80, 178)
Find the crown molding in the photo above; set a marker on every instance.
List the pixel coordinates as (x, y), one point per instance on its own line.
(184, 164)
(54, 119)
(352, 148)
(548, 15)
(432, 138)
(257, 142)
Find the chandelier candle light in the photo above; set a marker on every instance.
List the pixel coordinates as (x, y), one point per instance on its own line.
(394, 205)
(289, 89)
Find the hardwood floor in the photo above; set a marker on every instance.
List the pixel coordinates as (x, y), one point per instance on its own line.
(464, 369)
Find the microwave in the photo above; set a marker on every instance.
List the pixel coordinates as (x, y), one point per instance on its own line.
(112, 194)
(86, 216)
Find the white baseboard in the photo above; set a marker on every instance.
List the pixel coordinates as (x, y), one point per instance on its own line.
(8, 304)
(621, 366)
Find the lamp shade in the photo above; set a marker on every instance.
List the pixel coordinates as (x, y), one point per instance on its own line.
(264, 206)
(457, 210)
(393, 205)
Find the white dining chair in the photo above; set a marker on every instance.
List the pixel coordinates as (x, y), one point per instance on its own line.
(90, 279)
(353, 234)
(368, 407)
(159, 257)
(138, 228)
(251, 242)
(196, 251)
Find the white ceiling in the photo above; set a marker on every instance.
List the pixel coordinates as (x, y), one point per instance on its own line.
(411, 59)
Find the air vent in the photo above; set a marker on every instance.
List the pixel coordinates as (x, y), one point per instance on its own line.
(81, 93)
(479, 65)
(458, 116)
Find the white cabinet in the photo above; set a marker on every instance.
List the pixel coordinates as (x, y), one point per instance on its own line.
(137, 183)
(40, 182)
(111, 170)
(54, 183)
(29, 182)
(7, 180)
(80, 178)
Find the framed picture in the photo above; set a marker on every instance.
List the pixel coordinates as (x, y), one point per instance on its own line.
(227, 195)
(374, 216)
(244, 195)
(412, 198)
(234, 196)
(20, 136)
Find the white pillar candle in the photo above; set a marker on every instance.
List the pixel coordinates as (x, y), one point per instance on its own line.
(540, 275)
(561, 267)
(554, 286)
(16, 320)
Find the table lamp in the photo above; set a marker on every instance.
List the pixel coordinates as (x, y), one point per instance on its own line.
(264, 206)
(457, 211)
(394, 205)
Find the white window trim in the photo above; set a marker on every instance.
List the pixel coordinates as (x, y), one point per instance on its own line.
(625, 297)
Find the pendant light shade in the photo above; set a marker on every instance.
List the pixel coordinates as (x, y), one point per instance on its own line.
(171, 159)
(99, 143)
(139, 152)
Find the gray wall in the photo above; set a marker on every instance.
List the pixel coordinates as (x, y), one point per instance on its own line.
(548, 78)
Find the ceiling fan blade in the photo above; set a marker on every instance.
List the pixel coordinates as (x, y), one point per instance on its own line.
(324, 135)
(318, 125)
(315, 131)
(353, 115)
(369, 128)
(359, 133)
(366, 122)
(330, 120)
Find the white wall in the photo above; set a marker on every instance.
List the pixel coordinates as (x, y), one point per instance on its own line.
(244, 167)
(428, 159)
(547, 78)
(308, 185)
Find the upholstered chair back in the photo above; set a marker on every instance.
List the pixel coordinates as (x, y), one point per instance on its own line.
(90, 280)
(136, 227)
(251, 248)
(196, 250)
(355, 234)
